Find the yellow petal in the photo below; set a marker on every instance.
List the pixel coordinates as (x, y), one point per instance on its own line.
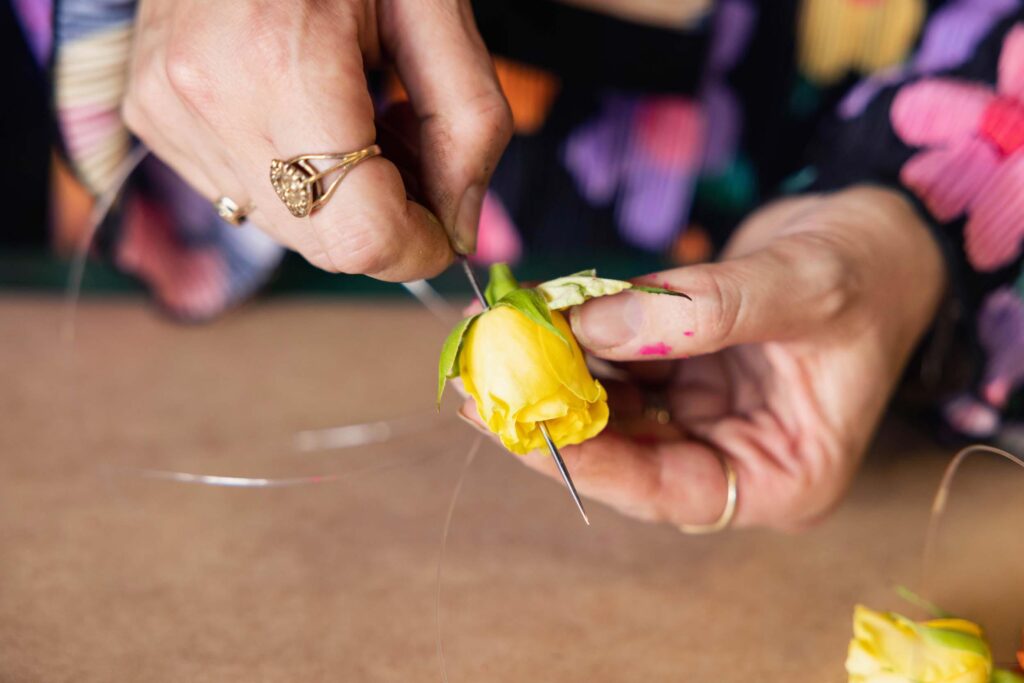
(887, 646)
(502, 360)
(521, 374)
(589, 423)
(567, 363)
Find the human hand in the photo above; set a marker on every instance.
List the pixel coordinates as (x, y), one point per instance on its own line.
(219, 89)
(785, 360)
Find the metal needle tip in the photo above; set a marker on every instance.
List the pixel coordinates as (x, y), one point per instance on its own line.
(471, 276)
(563, 471)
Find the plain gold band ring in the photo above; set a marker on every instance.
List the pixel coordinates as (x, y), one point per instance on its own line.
(725, 519)
(299, 184)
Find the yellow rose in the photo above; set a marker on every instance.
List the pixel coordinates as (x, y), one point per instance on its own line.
(521, 374)
(889, 648)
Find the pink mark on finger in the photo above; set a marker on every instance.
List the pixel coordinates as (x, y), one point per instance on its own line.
(688, 333)
(659, 349)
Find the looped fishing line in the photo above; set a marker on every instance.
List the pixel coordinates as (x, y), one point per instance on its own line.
(939, 504)
(384, 431)
(363, 434)
(333, 438)
(470, 456)
(345, 436)
(76, 271)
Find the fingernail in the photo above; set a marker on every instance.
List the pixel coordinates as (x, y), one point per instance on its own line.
(467, 220)
(605, 323)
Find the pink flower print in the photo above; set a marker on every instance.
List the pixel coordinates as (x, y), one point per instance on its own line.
(973, 156)
(950, 38)
(1001, 334)
(194, 263)
(193, 283)
(497, 239)
(971, 417)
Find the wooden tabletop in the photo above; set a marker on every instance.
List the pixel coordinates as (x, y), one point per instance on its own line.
(106, 575)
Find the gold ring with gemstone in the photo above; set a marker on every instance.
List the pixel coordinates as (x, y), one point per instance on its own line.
(725, 519)
(229, 210)
(298, 183)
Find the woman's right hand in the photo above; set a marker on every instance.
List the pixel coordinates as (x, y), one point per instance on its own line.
(219, 89)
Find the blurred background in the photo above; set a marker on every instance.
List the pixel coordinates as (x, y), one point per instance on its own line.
(162, 518)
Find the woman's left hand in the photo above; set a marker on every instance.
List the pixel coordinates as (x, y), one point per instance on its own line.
(782, 364)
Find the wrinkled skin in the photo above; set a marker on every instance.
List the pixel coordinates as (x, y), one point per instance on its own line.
(784, 362)
(219, 89)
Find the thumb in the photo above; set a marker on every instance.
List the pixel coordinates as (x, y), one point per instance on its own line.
(464, 117)
(792, 287)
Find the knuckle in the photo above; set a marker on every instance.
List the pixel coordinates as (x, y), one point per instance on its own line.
(495, 113)
(483, 122)
(189, 77)
(133, 117)
(363, 250)
(145, 97)
(320, 259)
(719, 309)
(833, 279)
(493, 119)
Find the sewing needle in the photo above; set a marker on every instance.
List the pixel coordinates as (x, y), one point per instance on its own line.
(543, 426)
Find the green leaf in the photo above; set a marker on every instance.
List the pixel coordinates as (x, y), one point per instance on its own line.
(1004, 676)
(955, 640)
(917, 601)
(573, 290)
(530, 303)
(584, 273)
(660, 290)
(448, 365)
(502, 282)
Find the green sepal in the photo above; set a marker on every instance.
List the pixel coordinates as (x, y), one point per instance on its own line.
(448, 365)
(530, 303)
(573, 290)
(1004, 676)
(501, 282)
(954, 640)
(660, 290)
(917, 601)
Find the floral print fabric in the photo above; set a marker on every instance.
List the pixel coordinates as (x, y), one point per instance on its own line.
(652, 143)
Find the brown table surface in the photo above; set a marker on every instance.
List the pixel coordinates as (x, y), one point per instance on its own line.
(108, 576)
